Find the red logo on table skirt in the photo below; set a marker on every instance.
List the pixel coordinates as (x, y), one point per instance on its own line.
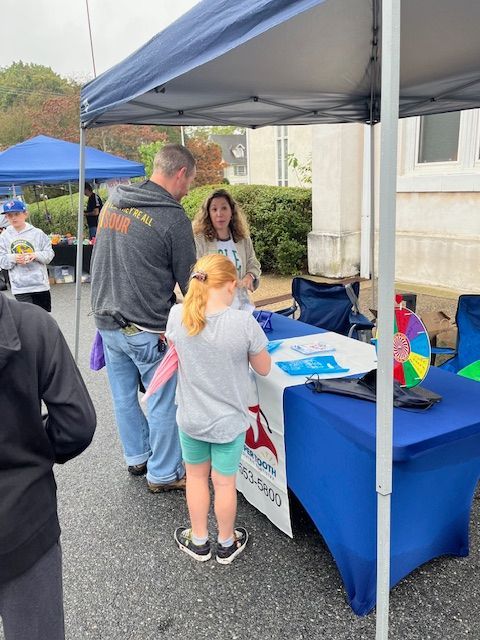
(257, 435)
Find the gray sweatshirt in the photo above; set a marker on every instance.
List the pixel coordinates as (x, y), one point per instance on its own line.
(144, 246)
(31, 277)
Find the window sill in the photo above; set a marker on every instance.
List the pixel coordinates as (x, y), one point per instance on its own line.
(439, 182)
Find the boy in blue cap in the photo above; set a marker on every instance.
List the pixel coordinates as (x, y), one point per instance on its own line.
(24, 252)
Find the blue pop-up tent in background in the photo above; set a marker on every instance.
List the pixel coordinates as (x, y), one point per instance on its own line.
(10, 192)
(51, 161)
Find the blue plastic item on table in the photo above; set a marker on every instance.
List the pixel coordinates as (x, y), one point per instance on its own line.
(273, 345)
(264, 319)
(307, 366)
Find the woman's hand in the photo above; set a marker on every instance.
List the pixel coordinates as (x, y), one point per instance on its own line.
(247, 282)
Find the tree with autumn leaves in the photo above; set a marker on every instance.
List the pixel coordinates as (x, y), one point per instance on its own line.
(35, 100)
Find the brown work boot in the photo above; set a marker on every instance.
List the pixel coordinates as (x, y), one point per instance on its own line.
(170, 486)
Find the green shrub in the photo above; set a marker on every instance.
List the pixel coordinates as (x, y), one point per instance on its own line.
(63, 212)
(280, 219)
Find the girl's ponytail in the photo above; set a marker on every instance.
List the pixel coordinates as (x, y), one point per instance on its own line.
(210, 272)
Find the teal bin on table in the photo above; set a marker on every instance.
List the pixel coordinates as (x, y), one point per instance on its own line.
(471, 371)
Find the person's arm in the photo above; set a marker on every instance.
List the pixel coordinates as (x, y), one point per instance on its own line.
(7, 260)
(183, 253)
(251, 280)
(258, 356)
(200, 245)
(44, 253)
(261, 362)
(71, 420)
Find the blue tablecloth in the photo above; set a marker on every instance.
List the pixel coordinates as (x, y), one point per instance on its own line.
(330, 451)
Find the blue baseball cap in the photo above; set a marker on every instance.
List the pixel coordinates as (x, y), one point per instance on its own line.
(14, 206)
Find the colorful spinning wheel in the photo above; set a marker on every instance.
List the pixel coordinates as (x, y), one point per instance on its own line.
(411, 348)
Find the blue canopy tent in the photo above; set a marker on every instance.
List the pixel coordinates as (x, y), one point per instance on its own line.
(10, 192)
(268, 62)
(48, 160)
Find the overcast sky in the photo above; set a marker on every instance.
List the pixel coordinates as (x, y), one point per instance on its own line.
(55, 32)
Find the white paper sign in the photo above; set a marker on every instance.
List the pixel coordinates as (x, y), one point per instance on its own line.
(262, 473)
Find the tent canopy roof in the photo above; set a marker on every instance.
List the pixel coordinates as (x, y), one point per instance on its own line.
(44, 159)
(263, 62)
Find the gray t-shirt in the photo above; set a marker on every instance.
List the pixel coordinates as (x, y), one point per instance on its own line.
(213, 373)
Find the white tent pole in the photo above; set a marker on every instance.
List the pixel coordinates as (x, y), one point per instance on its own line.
(386, 292)
(372, 215)
(71, 196)
(78, 277)
(365, 227)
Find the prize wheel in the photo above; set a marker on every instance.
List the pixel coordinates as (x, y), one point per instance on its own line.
(411, 348)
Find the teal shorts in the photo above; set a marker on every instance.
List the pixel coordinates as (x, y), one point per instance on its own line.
(224, 457)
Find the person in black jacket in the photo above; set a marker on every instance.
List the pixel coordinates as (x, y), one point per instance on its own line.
(35, 365)
(92, 210)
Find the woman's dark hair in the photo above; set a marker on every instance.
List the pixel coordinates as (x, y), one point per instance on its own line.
(202, 224)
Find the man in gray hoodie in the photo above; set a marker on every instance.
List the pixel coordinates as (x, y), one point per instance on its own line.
(144, 247)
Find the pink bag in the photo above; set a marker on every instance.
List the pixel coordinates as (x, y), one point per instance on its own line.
(164, 372)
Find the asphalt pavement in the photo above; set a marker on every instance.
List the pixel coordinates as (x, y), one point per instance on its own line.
(124, 579)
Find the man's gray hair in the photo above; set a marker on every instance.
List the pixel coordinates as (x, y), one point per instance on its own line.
(171, 158)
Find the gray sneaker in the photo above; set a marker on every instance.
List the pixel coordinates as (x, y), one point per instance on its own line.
(226, 555)
(183, 538)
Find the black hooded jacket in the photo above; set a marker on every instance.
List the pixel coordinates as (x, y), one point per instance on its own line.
(35, 364)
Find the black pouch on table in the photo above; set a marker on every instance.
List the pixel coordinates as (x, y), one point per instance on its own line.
(365, 388)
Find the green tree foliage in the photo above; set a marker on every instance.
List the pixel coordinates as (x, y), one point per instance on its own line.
(302, 170)
(205, 132)
(30, 83)
(172, 134)
(147, 153)
(34, 100)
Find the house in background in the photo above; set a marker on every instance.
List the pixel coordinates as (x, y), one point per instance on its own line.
(234, 154)
(438, 195)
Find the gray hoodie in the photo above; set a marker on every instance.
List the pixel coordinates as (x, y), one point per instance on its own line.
(32, 277)
(144, 246)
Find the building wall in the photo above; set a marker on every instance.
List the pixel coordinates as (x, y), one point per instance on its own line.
(438, 240)
(229, 173)
(262, 154)
(438, 204)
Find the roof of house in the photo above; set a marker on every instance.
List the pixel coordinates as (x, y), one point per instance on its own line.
(229, 144)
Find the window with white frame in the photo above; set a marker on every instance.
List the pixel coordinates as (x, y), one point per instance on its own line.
(239, 170)
(282, 155)
(440, 152)
(439, 137)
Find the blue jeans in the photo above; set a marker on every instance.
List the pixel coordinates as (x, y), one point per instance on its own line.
(154, 437)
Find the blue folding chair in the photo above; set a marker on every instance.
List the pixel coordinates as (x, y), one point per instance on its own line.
(468, 337)
(333, 307)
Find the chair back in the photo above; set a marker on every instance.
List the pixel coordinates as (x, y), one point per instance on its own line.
(324, 305)
(468, 325)
(468, 340)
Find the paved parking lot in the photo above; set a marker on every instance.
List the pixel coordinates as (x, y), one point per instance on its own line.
(124, 578)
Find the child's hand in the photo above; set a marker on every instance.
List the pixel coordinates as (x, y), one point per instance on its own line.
(25, 258)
